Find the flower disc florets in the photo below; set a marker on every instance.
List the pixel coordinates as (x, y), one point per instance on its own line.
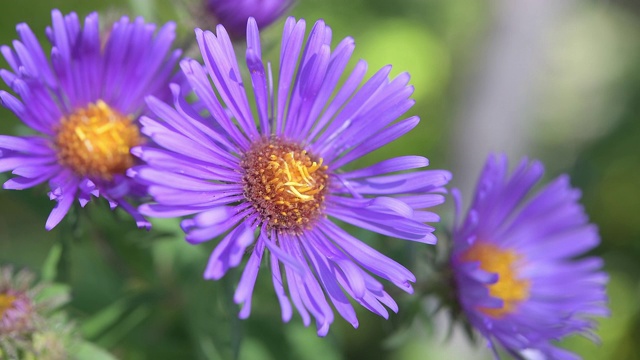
(509, 288)
(285, 184)
(95, 141)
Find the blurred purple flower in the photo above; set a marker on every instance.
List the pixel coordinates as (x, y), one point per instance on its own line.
(16, 312)
(84, 103)
(513, 261)
(277, 174)
(29, 311)
(233, 14)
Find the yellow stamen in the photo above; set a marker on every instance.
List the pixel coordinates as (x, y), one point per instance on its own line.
(6, 302)
(289, 191)
(509, 287)
(95, 141)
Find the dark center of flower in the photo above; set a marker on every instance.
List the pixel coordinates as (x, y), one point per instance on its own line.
(95, 141)
(285, 184)
(6, 302)
(509, 288)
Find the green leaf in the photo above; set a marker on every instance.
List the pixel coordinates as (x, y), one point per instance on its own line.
(105, 319)
(50, 266)
(89, 351)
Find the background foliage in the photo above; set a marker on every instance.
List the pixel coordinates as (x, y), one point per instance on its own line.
(140, 295)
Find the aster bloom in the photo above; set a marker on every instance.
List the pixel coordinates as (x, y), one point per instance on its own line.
(25, 314)
(513, 261)
(233, 14)
(17, 310)
(271, 179)
(84, 103)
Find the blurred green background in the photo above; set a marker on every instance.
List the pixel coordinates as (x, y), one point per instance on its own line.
(556, 80)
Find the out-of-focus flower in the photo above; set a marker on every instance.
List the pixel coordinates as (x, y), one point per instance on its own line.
(513, 261)
(233, 14)
(280, 174)
(84, 103)
(29, 325)
(17, 311)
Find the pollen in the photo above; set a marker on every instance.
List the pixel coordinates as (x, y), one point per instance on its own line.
(285, 184)
(509, 288)
(94, 141)
(6, 302)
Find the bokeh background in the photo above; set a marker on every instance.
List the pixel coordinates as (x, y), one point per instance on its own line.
(557, 80)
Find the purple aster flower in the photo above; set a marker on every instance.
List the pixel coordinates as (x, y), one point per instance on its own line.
(275, 179)
(16, 312)
(29, 316)
(233, 14)
(84, 103)
(513, 262)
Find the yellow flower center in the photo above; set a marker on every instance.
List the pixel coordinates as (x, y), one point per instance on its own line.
(509, 288)
(285, 184)
(95, 141)
(6, 302)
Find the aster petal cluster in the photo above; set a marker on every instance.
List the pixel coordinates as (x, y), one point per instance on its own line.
(514, 260)
(233, 15)
(272, 180)
(83, 102)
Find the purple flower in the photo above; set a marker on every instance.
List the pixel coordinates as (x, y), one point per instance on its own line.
(270, 179)
(233, 14)
(29, 317)
(16, 312)
(84, 103)
(513, 261)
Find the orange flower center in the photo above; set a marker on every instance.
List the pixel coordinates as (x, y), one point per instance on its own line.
(95, 141)
(509, 288)
(285, 184)
(6, 302)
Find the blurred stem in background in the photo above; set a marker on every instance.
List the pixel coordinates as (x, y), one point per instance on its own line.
(494, 111)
